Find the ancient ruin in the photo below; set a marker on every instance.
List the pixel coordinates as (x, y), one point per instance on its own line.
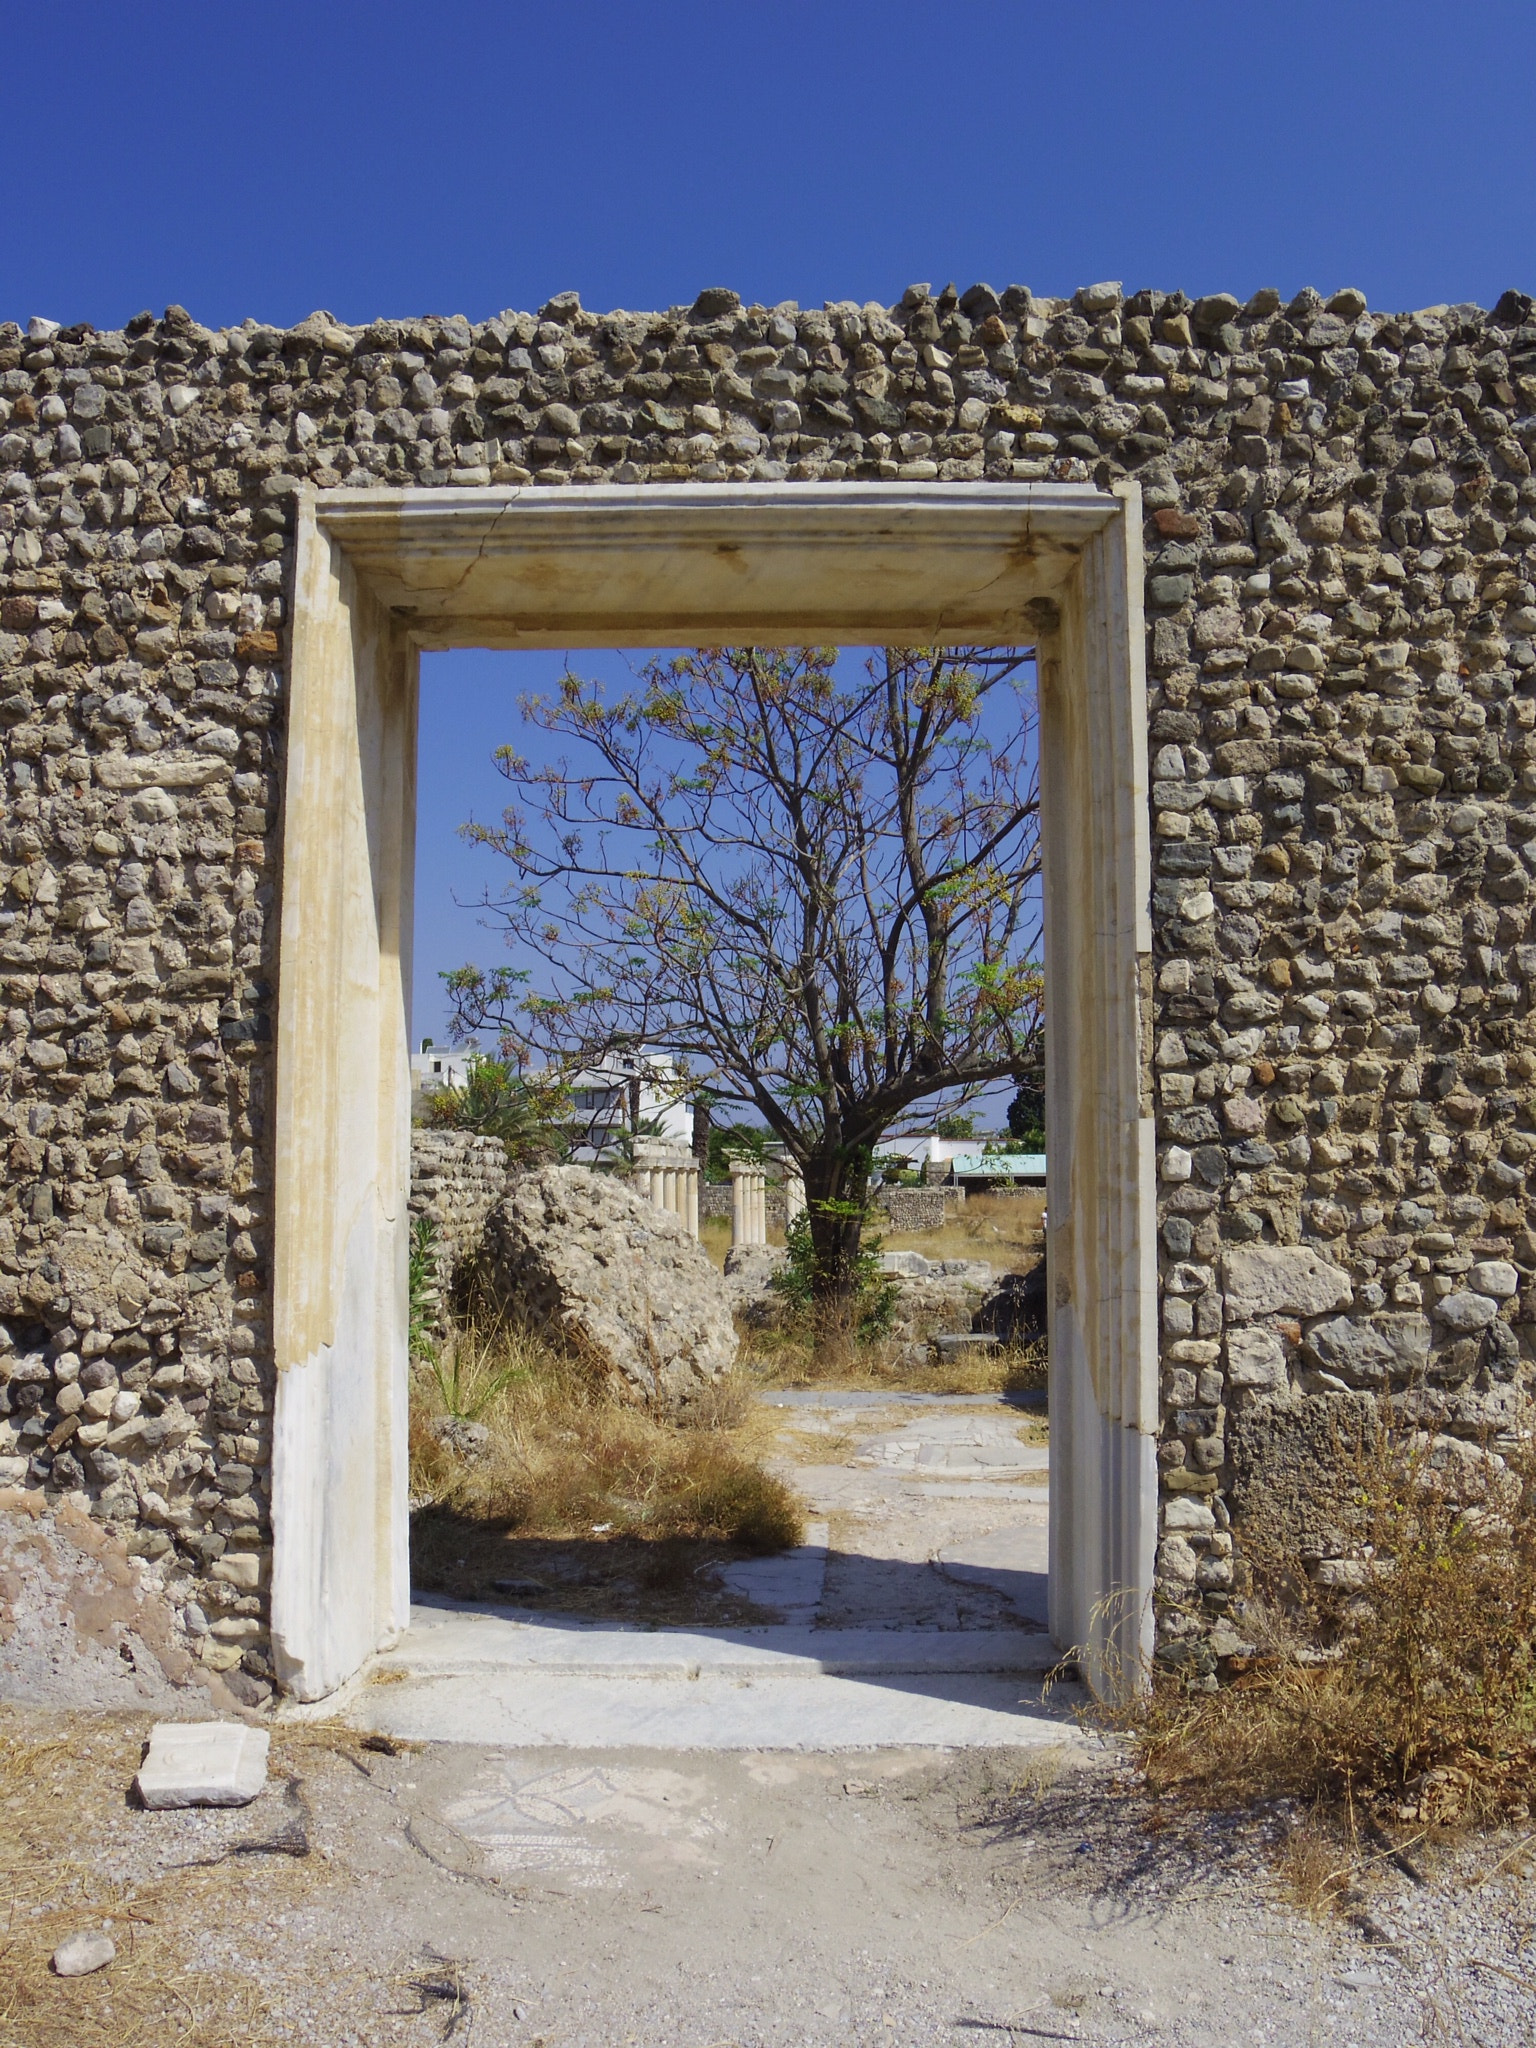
(1293, 1087)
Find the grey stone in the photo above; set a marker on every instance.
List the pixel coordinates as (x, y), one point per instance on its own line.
(1368, 1353)
(1268, 1279)
(1496, 1277)
(468, 1441)
(910, 1263)
(1465, 1312)
(963, 1343)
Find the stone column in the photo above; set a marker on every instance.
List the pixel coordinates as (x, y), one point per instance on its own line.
(739, 1201)
(794, 1197)
(643, 1176)
(691, 1198)
(669, 1189)
(760, 1207)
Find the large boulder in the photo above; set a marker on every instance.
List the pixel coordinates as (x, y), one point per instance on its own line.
(1270, 1279)
(581, 1257)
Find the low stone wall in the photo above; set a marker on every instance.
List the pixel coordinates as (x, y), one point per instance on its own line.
(457, 1178)
(917, 1208)
(715, 1200)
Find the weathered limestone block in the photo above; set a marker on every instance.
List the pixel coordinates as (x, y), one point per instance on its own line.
(1264, 1279)
(1297, 1470)
(1256, 1358)
(1366, 1354)
(580, 1256)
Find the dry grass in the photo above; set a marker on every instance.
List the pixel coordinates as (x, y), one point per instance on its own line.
(1004, 1229)
(1406, 1700)
(649, 1499)
(789, 1359)
(62, 1823)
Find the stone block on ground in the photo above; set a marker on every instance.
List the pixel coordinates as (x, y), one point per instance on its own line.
(83, 1954)
(582, 1258)
(949, 1293)
(959, 1344)
(911, 1264)
(203, 1763)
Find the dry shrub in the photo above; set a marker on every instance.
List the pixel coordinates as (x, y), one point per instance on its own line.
(1406, 1687)
(836, 1359)
(561, 1456)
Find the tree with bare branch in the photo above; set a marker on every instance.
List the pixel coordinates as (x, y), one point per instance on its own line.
(816, 889)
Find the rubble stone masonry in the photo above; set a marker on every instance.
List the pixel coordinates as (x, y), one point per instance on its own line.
(1341, 618)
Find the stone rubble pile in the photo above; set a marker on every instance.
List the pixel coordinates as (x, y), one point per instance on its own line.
(1340, 526)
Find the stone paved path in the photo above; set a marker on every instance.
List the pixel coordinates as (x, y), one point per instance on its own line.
(915, 1612)
(935, 1504)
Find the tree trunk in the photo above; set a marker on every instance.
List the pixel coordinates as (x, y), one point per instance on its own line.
(836, 1190)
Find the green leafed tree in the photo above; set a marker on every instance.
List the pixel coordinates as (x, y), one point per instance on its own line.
(499, 1102)
(813, 883)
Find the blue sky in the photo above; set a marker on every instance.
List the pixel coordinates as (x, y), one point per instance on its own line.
(467, 156)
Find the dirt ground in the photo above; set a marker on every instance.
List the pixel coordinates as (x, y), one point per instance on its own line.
(644, 1899)
(505, 1896)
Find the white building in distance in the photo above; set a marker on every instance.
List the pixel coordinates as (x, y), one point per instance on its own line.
(441, 1066)
(627, 1091)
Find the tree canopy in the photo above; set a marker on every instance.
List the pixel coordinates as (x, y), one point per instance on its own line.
(812, 884)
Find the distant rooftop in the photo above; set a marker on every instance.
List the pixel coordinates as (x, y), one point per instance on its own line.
(998, 1166)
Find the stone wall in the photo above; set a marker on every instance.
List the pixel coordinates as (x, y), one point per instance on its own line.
(457, 1178)
(1341, 593)
(715, 1200)
(917, 1208)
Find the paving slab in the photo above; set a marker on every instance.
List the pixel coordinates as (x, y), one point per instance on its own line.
(789, 1584)
(449, 1641)
(203, 1763)
(1011, 1561)
(498, 1708)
